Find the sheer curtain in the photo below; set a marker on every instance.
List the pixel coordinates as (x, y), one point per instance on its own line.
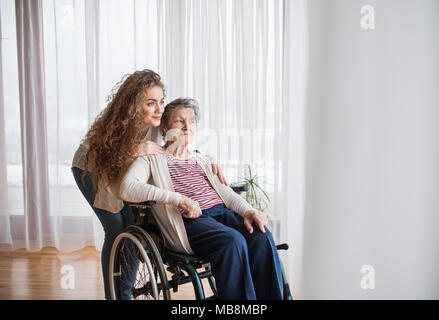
(70, 55)
(226, 54)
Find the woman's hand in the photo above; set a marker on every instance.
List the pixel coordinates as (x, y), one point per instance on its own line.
(216, 170)
(255, 217)
(191, 208)
(149, 147)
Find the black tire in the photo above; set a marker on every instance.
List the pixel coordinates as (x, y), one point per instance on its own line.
(134, 251)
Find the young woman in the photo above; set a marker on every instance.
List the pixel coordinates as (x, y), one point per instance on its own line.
(126, 129)
(198, 215)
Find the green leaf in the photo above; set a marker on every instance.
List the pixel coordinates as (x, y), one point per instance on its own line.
(255, 194)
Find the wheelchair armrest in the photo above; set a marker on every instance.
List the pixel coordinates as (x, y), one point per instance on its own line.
(239, 189)
(143, 204)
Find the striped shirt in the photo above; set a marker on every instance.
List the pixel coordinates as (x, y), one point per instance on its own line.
(189, 179)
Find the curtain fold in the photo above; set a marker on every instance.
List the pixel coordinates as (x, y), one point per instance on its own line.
(5, 231)
(92, 55)
(33, 120)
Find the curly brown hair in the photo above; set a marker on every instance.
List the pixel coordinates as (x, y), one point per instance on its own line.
(114, 137)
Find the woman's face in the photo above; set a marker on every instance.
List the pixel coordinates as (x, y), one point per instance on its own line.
(152, 102)
(182, 124)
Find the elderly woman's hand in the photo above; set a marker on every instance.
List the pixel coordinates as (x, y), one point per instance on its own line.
(149, 147)
(191, 208)
(255, 217)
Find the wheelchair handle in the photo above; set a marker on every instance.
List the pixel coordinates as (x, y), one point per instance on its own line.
(239, 189)
(283, 246)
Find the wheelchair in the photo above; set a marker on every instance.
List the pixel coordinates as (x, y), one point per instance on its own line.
(139, 256)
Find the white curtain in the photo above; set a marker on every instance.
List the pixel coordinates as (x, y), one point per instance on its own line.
(70, 55)
(42, 102)
(5, 235)
(226, 54)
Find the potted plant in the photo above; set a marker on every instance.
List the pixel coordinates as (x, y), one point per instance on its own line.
(254, 194)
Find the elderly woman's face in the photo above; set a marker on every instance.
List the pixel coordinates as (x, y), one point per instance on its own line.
(182, 124)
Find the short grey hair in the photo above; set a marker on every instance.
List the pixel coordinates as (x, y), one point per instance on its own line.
(180, 103)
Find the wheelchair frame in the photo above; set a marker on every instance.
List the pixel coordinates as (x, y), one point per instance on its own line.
(149, 240)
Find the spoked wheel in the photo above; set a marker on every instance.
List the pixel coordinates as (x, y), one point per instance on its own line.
(136, 267)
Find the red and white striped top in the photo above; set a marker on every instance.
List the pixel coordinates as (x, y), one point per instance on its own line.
(189, 179)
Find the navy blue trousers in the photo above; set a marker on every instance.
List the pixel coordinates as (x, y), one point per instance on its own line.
(245, 266)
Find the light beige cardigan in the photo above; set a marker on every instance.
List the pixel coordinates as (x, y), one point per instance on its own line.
(148, 178)
(104, 198)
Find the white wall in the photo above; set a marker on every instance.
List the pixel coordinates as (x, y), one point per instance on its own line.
(372, 140)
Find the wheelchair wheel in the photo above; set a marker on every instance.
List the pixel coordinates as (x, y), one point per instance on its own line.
(136, 267)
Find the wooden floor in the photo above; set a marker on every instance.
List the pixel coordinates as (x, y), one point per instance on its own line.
(45, 275)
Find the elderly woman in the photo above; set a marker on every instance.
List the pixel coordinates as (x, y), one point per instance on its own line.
(199, 215)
